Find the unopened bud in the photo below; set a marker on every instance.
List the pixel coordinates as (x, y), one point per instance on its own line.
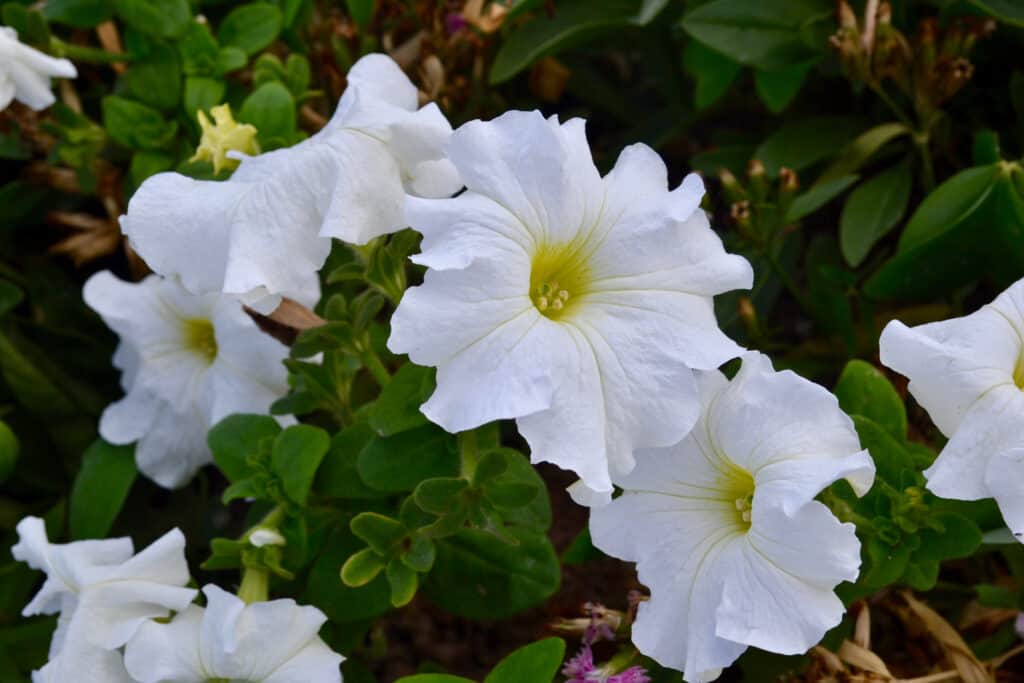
(758, 177)
(731, 187)
(789, 182)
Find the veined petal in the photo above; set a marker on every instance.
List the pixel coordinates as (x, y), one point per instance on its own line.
(991, 423)
(1003, 476)
(765, 606)
(174, 447)
(784, 429)
(167, 652)
(952, 363)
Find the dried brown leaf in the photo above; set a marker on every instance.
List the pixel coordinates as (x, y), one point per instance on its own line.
(967, 665)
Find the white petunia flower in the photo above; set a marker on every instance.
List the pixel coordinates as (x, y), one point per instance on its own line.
(25, 72)
(83, 662)
(265, 642)
(187, 361)
(577, 304)
(724, 527)
(968, 373)
(266, 231)
(102, 590)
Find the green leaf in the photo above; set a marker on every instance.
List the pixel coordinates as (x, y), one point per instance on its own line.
(136, 125)
(441, 495)
(397, 409)
(1010, 11)
(863, 390)
(325, 589)
(403, 581)
(778, 88)
(478, 576)
(800, 144)
(873, 209)
(490, 465)
(891, 458)
(235, 438)
(816, 197)
(400, 462)
(433, 678)
(713, 71)
(230, 59)
(100, 489)
(338, 475)
(9, 448)
(361, 11)
(536, 515)
(538, 663)
(959, 537)
(250, 27)
(574, 21)
(380, 532)
(854, 154)
(202, 93)
(420, 554)
(362, 568)
(948, 205)
(295, 458)
(299, 73)
(198, 50)
(160, 18)
(78, 13)
(887, 563)
(271, 108)
(31, 387)
(768, 34)
(510, 495)
(155, 80)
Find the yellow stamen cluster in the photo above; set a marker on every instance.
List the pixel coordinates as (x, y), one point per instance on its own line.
(1018, 372)
(559, 276)
(222, 136)
(738, 492)
(201, 338)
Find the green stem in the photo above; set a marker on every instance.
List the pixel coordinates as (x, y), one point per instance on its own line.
(376, 367)
(89, 55)
(469, 453)
(891, 103)
(255, 585)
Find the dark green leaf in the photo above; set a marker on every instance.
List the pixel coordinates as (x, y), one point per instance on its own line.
(478, 576)
(198, 49)
(397, 409)
(250, 27)
(854, 154)
(160, 18)
(325, 589)
(713, 71)
(202, 93)
(161, 66)
(271, 108)
(136, 125)
(816, 197)
(948, 206)
(338, 475)
(778, 88)
(863, 390)
(379, 531)
(9, 448)
(440, 495)
(78, 13)
(100, 489)
(403, 581)
(510, 495)
(235, 438)
(1010, 11)
(537, 662)
(765, 34)
(400, 462)
(296, 456)
(801, 144)
(873, 209)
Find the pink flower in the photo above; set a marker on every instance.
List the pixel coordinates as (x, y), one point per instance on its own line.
(581, 669)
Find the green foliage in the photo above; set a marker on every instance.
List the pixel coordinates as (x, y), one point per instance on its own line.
(100, 489)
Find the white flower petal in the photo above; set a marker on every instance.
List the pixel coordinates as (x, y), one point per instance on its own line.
(167, 652)
(1004, 477)
(952, 363)
(767, 607)
(25, 72)
(991, 423)
(174, 447)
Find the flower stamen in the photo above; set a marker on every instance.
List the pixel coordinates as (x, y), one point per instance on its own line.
(201, 338)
